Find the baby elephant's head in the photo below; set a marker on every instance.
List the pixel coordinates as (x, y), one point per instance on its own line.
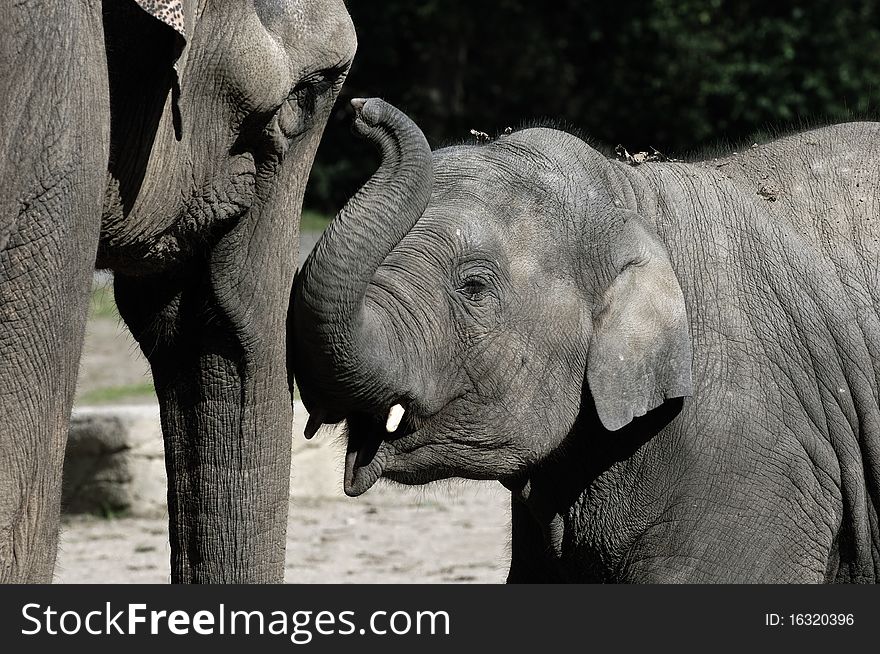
(468, 306)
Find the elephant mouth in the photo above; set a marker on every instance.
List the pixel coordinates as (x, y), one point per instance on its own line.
(366, 453)
(373, 443)
(364, 463)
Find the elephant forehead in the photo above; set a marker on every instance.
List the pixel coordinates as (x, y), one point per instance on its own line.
(487, 172)
(455, 231)
(319, 23)
(286, 11)
(484, 190)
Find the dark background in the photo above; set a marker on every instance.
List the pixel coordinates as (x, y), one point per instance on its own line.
(678, 75)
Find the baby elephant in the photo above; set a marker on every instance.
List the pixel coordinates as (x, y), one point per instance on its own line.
(674, 367)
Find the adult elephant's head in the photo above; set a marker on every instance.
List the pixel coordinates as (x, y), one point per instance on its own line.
(464, 311)
(217, 109)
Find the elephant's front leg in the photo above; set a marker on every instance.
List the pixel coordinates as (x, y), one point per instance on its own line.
(53, 154)
(226, 420)
(44, 297)
(42, 319)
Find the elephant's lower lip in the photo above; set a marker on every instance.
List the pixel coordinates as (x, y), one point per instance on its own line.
(361, 471)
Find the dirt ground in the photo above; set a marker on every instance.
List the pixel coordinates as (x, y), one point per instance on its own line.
(447, 532)
(402, 536)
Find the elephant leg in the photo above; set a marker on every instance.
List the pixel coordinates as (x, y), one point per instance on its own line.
(226, 421)
(44, 293)
(53, 159)
(530, 562)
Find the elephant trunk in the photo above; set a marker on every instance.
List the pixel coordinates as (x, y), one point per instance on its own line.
(329, 313)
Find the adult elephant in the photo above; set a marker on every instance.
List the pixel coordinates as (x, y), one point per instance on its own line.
(169, 141)
(675, 366)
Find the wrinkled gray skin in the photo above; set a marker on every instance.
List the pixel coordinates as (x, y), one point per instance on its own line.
(187, 185)
(674, 367)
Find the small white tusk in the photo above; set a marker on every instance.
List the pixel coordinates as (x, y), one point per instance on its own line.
(395, 415)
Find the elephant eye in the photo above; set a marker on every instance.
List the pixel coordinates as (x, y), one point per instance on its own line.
(313, 94)
(474, 288)
(312, 87)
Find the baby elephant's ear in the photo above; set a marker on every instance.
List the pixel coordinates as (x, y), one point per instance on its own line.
(640, 350)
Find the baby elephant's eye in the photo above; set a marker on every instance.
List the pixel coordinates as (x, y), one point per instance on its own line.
(474, 288)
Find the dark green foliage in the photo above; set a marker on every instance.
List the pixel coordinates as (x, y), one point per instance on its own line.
(677, 75)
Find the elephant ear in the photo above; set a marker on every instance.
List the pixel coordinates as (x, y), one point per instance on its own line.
(169, 12)
(640, 350)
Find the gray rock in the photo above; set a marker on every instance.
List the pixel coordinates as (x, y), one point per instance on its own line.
(114, 462)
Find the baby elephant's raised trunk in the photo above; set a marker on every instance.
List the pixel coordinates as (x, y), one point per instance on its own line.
(328, 321)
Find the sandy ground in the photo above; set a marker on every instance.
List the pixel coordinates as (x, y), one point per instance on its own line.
(394, 536)
(448, 532)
